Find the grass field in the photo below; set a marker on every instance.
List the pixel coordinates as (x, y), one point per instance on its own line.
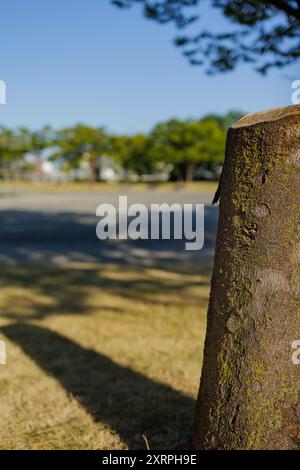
(100, 356)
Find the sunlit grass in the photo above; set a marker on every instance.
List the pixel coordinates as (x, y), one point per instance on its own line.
(197, 186)
(99, 355)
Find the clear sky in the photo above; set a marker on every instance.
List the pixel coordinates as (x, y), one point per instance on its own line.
(68, 61)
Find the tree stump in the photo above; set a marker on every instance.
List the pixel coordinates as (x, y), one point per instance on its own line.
(249, 392)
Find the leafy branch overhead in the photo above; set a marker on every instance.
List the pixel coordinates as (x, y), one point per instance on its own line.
(265, 33)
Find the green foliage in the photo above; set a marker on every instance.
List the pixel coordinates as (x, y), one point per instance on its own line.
(36, 141)
(13, 145)
(266, 33)
(225, 121)
(133, 153)
(184, 144)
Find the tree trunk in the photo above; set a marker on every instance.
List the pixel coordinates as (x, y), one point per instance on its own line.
(249, 392)
(93, 171)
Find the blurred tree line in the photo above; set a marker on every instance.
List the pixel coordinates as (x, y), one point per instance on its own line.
(183, 147)
(263, 33)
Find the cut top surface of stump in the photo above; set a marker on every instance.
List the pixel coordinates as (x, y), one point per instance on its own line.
(270, 115)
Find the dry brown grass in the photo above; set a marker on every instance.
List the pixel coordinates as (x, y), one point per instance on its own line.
(98, 356)
(194, 186)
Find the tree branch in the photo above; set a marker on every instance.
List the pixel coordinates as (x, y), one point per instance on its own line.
(281, 5)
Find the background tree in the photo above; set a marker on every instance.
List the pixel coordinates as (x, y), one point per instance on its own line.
(183, 144)
(226, 120)
(133, 153)
(79, 143)
(35, 142)
(265, 33)
(8, 145)
(13, 146)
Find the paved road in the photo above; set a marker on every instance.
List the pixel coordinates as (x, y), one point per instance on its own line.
(60, 228)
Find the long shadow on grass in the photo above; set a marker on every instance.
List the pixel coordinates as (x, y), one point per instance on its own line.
(130, 403)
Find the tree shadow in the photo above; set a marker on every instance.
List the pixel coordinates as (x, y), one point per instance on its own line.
(41, 292)
(127, 401)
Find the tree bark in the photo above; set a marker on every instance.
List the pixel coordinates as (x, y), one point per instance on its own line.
(249, 392)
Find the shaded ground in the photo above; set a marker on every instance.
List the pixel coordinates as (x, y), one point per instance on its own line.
(104, 339)
(60, 228)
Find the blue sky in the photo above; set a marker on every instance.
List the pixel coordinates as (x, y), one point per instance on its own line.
(68, 61)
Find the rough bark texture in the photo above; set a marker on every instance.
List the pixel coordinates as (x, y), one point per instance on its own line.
(249, 393)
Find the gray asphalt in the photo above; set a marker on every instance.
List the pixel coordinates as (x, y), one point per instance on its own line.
(60, 228)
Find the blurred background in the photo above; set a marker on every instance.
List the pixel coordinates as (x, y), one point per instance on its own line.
(105, 338)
